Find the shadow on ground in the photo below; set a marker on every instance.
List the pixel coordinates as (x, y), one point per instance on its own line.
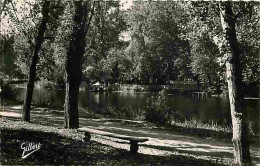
(57, 149)
(162, 141)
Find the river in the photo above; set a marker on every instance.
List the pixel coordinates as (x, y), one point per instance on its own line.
(203, 109)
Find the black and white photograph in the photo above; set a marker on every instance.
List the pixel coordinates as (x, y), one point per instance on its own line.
(130, 82)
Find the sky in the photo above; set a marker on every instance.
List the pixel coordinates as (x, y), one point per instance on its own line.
(126, 4)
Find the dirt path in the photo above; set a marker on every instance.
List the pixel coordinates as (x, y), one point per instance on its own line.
(161, 142)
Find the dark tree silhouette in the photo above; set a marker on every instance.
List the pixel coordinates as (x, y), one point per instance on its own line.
(32, 73)
(74, 60)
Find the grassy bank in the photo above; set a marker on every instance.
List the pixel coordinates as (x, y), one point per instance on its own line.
(158, 120)
(63, 146)
(169, 119)
(177, 124)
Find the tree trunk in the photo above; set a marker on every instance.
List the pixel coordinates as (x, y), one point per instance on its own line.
(234, 79)
(75, 53)
(34, 60)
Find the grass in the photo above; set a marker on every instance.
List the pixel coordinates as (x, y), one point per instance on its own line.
(179, 125)
(211, 125)
(65, 146)
(133, 114)
(121, 113)
(157, 113)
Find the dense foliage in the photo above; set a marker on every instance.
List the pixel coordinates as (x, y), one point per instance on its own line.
(149, 43)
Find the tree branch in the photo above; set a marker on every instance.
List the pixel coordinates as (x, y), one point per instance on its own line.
(90, 17)
(220, 10)
(23, 31)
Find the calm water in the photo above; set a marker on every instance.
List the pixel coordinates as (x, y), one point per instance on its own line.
(204, 109)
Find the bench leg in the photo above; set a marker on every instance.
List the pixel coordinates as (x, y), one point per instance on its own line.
(133, 147)
(87, 137)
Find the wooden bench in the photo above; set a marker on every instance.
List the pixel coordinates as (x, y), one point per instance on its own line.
(133, 140)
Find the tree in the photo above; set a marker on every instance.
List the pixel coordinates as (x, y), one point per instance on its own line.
(75, 52)
(107, 25)
(156, 43)
(32, 73)
(221, 21)
(204, 57)
(116, 65)
(234, 79)
(204, 23)
(8, 56)
(250, 51)
(27, 23)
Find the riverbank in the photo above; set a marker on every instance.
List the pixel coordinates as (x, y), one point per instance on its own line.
(211, 113)
(191, 127)
(65, 146)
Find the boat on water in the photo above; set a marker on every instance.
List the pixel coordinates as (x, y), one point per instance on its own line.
(97, 87)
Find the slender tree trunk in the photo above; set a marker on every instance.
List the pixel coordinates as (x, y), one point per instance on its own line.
(234, 79)
(34, 60)
(75, 53)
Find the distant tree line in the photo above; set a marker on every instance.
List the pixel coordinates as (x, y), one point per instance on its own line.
(165, 42)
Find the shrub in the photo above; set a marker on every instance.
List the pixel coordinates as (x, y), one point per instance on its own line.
(8, 92)
(156, 110)
(123, 113)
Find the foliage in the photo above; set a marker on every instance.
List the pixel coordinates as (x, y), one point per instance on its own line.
(168, 41)
(19, 16)
(204, 26)
(8, 92)
(156, 44)
(249, 43)
(103, 39)
(7, 56)
(156, 110)
(122, 112)
(204, 57)
(115, 66)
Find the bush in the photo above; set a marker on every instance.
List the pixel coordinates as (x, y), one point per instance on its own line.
(8, 92)
(156, 110)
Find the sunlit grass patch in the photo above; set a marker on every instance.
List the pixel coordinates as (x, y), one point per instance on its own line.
(193, 123)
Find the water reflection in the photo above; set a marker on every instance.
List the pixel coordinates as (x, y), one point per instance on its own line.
(203, 109)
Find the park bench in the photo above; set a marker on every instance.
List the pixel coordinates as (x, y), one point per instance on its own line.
(133, 140)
